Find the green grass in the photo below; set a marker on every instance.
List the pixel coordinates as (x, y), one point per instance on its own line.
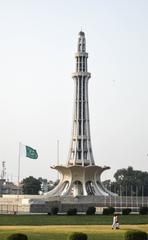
(62, 232)
(40, 220)
(51, 236)
(94, 232)
(44, 227)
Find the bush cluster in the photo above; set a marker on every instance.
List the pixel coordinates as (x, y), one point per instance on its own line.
(108, 211)
(54, 210)
(78, 236)
(135, 235)
(143, 210)
(126, 211)
(71, 211)
(91, 211)
(18, 236)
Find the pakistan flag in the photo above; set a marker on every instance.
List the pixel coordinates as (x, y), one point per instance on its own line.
(31, 153)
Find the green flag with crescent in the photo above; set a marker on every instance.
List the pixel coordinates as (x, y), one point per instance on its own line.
(31, 153)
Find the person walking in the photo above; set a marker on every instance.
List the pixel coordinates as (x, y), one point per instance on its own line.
(117, 221)
(115, 224)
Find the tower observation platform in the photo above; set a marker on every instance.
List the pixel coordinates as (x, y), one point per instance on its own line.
(80, 177)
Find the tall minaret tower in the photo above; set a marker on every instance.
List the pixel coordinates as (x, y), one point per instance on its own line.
(80, 176)
(81, 150)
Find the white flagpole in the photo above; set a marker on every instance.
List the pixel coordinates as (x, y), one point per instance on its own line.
(126, 196)
(58, 143)
(18, 180)
(142, 195)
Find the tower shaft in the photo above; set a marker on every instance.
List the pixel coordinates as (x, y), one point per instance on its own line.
(80, 149)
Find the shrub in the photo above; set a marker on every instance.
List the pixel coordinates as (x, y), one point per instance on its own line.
(91, 211)
(78, 236)
(111, 210)
(108, 211)
(105, 211)
(17, 236)
(126, 211)
(54, 210)
(72, 211)
(49, 213)
(135, 235)
(143, 210)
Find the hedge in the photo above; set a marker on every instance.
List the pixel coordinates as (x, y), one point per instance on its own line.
(108, 211)
(78, 236)
(54, 210)
(135, 235)
(143, 210)
(126, 211)
(18, 236)
(71, 211)
(91, 211)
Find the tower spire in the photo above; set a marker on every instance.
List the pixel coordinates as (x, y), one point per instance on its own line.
(80, 150)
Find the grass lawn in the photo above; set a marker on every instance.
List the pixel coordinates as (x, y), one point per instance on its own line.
(94, 232)
(99, 232)
(39, 220)
(46, 227)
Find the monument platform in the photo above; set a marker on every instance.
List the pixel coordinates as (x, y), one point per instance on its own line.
(33, 204)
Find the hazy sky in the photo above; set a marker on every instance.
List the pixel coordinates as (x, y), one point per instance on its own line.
(38, 40)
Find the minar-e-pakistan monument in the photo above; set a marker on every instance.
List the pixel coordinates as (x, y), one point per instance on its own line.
(80, 177)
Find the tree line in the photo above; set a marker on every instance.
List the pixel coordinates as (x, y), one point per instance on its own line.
(129, 182)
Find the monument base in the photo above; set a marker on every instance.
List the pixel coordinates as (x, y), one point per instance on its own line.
(80, 181)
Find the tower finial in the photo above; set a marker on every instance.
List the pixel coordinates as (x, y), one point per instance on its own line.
(81, 42)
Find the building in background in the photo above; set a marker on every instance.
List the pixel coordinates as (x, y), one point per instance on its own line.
(6, 186)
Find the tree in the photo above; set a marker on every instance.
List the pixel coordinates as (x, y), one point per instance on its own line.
(31, 185)
(130, 182)
(47, 185)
